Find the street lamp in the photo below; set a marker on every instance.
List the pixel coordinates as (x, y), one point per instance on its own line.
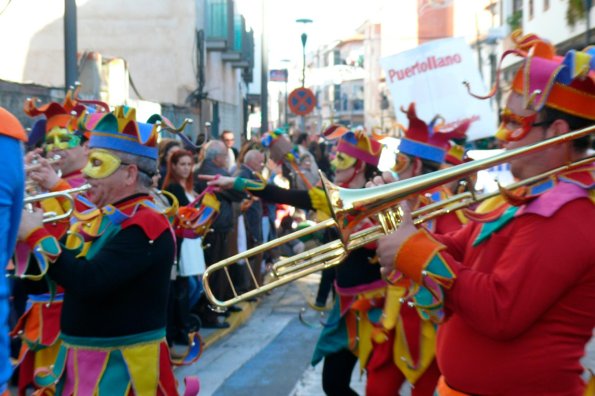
(304, 38)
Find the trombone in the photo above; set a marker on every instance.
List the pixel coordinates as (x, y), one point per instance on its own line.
(349, 207)
(50, 217)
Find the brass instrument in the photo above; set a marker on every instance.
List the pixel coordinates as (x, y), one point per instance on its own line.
(351, 206)
(36, 165)
(50, 217)
(31, 186)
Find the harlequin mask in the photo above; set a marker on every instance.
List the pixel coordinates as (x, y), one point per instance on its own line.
(343, 161)
(61, 139)
(101, 164)
(514, 127)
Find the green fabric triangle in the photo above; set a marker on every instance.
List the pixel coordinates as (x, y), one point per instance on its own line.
(107, 235)
(50, 246)
(438, 267)
(489, 228)
(115, 379)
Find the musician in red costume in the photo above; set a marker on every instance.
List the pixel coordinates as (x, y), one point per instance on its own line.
(407, 350)
(518, 282)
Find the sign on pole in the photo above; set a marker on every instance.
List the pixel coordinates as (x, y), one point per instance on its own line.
(279, 75)
(301, 101)
(432, 76)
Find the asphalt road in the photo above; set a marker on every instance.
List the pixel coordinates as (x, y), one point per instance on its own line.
(269, 355)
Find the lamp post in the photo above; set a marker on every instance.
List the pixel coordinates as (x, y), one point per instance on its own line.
(304, 38)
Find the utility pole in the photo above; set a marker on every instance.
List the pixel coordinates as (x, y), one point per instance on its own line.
(70, 44)
(264, 75)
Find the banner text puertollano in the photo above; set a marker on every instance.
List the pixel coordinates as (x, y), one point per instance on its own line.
(431, 63)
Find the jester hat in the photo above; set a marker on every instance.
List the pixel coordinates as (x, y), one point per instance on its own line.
(119, 130)
(10, 126)
(63, 116)
(429, 141)
(353, 146)
(565, 83)
(455, 154)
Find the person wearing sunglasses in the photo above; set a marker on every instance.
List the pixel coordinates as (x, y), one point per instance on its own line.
(516, 285)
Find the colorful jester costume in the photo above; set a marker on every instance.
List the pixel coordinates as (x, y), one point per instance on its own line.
(406, 349)
(39, 325)
(518, 282)
(114, 268)
(356, 316)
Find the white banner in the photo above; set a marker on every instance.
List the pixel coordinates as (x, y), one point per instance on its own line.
(432, 76)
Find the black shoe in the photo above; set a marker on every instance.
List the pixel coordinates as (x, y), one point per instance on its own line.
(215, 325)
(234, 308)
(224, 313)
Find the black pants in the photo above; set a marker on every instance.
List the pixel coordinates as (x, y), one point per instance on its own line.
(336, 373)
(178, 312)
(325, 286)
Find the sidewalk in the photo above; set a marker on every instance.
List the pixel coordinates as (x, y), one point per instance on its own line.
(235, 320)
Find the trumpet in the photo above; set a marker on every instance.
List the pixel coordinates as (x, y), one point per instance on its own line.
(34, 165)
(350, 207)
(50, 217)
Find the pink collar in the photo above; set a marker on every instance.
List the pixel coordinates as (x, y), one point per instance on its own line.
(550, 201)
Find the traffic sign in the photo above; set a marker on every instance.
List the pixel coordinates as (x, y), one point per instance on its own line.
(301, 101)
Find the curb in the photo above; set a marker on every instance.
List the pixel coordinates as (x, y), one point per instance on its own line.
(235, 320)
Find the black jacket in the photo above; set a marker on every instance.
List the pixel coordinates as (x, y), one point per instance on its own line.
(225, 220)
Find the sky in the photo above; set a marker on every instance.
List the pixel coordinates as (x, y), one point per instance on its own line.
(331, 20)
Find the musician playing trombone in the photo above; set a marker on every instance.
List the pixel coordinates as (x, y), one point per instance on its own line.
(514, 290)
(407, 350)
(12, 186)
(347, 337)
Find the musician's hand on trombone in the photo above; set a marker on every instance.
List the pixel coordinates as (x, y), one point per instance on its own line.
(389, 246)
(30, 221)
(386, 178)
(218, 181)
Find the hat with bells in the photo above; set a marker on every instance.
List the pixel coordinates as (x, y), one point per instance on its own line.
(427, 141)
(119, 130)
(60, 128)
(565, 83)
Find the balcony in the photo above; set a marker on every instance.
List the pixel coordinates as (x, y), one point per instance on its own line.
(219, 24)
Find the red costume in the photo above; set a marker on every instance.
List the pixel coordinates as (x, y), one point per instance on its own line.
(516, 286)
(407, 352)
(523, 289)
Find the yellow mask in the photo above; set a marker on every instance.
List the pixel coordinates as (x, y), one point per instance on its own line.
(101, 164)
(60, 139)
(343, 161)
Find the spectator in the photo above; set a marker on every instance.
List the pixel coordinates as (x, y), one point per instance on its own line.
(216, 163)
(190, 263)
(228, 138)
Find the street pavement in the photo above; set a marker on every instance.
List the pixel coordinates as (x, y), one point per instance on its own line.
(267, 350)
(266, 355)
